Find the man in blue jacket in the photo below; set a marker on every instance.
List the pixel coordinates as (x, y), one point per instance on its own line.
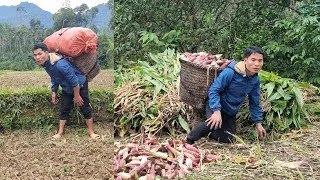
(73, 83)
(227, 93)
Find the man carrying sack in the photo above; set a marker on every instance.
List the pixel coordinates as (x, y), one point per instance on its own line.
(74, 87)
(227, 93)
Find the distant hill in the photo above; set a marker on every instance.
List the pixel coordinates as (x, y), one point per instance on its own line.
(25, 11)
(104, 15)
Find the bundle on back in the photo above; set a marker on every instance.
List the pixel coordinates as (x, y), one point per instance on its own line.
(80, 44)
(72, 41)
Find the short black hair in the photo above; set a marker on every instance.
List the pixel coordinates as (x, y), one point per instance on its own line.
(253, 49)
(41, 46)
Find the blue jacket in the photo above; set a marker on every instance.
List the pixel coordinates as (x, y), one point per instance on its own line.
(63, 73)
(230, 88)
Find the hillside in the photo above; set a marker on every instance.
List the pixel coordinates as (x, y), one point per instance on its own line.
(24, 12)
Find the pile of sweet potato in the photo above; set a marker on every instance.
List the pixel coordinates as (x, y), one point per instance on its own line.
(149, 159)
(205, 59)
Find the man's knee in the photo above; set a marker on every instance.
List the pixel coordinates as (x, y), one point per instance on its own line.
(86, 112)
(222, 137)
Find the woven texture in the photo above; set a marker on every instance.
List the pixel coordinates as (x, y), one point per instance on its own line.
(94, 72)
(194, 83)
(88, 64)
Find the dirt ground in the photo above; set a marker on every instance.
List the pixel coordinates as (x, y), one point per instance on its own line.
(295, 156)
(17, 79)
(34, 155)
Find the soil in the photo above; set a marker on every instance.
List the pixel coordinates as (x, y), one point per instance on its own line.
(35, 155)
(295, 156)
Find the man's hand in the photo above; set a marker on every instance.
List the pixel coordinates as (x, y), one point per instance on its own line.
(215, 120)
(260, 131)
(78, 100)
(54, 98)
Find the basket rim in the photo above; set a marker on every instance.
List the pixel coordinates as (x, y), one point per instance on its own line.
(196, 65)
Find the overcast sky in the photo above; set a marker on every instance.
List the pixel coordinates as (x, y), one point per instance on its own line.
(53, 5)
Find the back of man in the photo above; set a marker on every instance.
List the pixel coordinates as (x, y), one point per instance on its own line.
(62, 72)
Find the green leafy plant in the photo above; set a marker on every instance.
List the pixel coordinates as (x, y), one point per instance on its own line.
(283, 104)
(30, 108)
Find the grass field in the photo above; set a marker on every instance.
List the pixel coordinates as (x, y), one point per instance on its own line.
(20, 79)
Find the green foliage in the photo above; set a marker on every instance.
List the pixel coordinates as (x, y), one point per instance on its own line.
(79, 16)
(65, 17)
(287, 30)
(31, 108)
(297, 49)
(283, 104)
(286, 100)
(15, 47)
(105, 50)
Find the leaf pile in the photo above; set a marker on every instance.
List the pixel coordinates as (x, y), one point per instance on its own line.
(149, 97)
(150, 159)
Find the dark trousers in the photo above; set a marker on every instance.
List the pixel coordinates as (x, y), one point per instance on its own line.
(220, 135)
(67, 104)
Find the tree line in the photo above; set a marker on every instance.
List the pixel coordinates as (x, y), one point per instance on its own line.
(288, 30)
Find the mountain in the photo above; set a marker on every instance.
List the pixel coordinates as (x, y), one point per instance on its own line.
(104, 16)
(25, 11)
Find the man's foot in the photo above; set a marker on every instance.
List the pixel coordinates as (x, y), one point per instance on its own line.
(94, 136)
(57, 136)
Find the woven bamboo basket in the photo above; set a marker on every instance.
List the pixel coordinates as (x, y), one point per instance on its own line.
(94, 72)
(85, 62)
(195, 81)
(88, 64)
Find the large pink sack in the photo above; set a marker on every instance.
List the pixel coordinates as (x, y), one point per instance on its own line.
(72, 41)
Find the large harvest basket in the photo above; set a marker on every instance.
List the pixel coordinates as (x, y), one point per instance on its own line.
(195, 81)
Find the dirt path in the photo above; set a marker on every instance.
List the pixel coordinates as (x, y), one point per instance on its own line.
(295, 156)
(20, 79)
(34, 155)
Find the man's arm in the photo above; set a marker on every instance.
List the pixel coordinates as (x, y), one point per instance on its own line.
(54, 89)
(254, 104)
(217, 87)
(256, 110)
(69, 74)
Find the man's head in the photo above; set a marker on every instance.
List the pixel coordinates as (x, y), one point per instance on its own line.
(253, 59)
(40, 53)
